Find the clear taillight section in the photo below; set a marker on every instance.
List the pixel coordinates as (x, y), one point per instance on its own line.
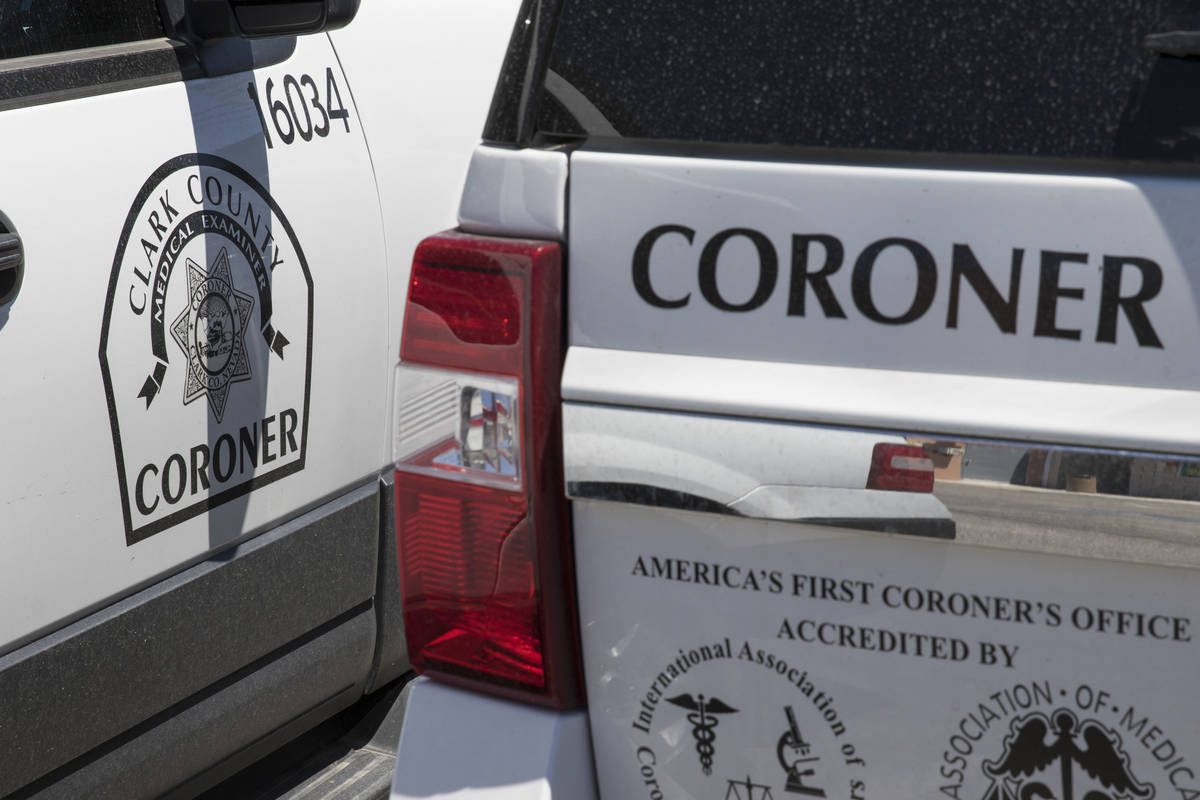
(455, 424)
(485, 559)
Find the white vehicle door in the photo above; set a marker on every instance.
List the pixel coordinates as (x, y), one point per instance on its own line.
(194, 345)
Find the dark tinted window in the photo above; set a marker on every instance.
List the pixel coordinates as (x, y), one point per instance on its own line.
(34, 27)
(1071, 78)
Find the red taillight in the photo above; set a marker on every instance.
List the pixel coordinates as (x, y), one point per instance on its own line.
(461, 316)
(900, 468)
(485, 557)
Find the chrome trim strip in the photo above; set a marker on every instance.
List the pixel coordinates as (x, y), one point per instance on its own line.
(72, 74)
(1091, 502)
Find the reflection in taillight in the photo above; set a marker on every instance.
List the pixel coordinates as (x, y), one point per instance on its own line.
(485, 557)
(900, 468)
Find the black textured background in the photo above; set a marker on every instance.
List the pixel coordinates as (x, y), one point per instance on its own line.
(1017, 77)
(35, 27)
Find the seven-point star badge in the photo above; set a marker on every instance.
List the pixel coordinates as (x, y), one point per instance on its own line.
(211, 333)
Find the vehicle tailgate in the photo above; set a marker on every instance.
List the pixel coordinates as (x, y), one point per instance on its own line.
(761, 616)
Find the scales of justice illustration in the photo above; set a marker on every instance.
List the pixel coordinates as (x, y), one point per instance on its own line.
(796, 759)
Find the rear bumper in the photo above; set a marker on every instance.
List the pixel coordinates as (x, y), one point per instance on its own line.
(456, 743)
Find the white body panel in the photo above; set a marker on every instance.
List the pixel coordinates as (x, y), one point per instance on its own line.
(62, 529)
(423, 74)
(515, 193)
(1077, 413)
(617, 198)
(67, 547)
(459, 745)
(874, 645)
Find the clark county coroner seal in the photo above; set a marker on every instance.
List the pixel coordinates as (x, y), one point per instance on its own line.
(206, 344)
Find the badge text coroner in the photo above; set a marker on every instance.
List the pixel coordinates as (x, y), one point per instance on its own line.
(830, 253)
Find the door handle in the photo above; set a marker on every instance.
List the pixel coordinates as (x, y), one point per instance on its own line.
(1181, 44)
(12, 266)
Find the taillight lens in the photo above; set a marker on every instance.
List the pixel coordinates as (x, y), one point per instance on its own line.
(485, 558)
(900, 468)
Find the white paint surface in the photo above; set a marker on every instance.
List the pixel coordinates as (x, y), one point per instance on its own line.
(458, 745)
(423, 73)
(418, 81)
(1134, 417)
(515, 193)
(61, 528)
(617, 198)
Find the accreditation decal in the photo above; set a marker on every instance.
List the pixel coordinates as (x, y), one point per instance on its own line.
(206, 345)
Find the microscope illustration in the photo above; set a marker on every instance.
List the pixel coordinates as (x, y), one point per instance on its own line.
(794, 756)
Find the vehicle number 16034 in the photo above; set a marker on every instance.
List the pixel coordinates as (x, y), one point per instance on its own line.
(298, 109)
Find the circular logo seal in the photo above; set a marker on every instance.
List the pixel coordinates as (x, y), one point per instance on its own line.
(1041, 741)
(728, 719)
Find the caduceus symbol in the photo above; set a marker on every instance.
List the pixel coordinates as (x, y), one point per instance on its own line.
(1026, 752)
(703, 723)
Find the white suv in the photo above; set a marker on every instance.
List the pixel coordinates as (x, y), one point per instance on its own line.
(207, 212)
(804, 407)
